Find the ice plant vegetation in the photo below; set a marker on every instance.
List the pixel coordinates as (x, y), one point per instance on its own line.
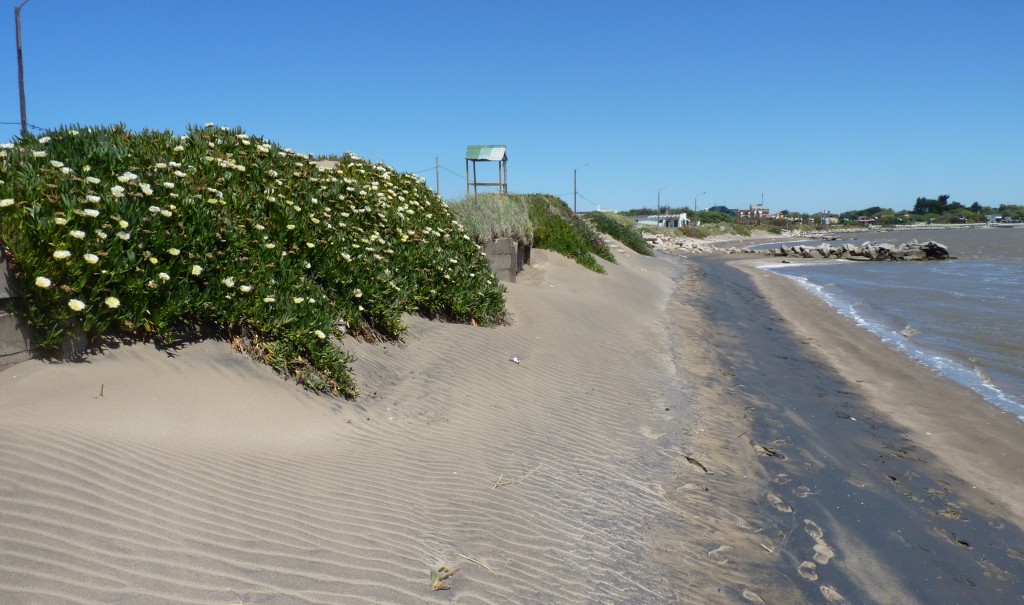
(318, 250)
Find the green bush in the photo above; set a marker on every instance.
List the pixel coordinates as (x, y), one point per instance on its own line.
(557, 228)
(709, 216)
(623, 231)
(154, 235)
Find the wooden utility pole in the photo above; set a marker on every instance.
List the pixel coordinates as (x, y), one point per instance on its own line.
(21, 68)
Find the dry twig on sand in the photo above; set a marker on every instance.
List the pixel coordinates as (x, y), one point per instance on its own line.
(475, 561)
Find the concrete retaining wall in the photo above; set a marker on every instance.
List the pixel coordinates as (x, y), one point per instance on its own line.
(507, 257)
(15, 339)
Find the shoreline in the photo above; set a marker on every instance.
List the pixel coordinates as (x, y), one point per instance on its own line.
(878, 473)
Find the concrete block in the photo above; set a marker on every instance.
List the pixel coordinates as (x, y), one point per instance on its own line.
(15, 340)
(6, 280)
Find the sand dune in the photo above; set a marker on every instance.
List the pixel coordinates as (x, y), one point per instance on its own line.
(200, 477)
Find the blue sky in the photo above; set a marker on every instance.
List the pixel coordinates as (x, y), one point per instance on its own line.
(817, 105)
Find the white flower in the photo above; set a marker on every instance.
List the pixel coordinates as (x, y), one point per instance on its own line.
(180, 174)
(146, 188)
(228, 281)
(91, 212)
(268, 299)
(179, 148)
(6, 202)
(90, 258)
(319, 334)
(61, 254)
(117, 191)
(153, 260)
(358, 293)
(196, 270)
(271, 246)
(44, 140)
(93, 180)
(122, 223)
(258, 227)
(76, 305)
(95, 199)
(298, 300)
(39, 154)
(165, 213)
(43, 282)
(164, 276)
(154, 209)
(310, 245)
(78, 234)
(60, 220)
(168, 185)
(56, 164)
(112, 302)
(124, 235)
(245, 288)
(100, 233)
(346, 256)
(289, 227)
(127, 177)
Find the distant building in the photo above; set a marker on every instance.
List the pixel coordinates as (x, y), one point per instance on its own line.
(755, 214)
(829, 218)
(664, 220)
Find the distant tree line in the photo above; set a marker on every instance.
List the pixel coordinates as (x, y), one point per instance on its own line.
(938, 210)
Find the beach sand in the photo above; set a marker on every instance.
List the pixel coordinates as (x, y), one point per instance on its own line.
(675, 431)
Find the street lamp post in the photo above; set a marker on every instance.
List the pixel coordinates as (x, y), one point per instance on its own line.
(695, 201)
(574, 186)
(659, 204)
(21, 69)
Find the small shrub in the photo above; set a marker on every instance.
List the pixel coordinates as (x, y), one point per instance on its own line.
(623, 231)
(556, 228)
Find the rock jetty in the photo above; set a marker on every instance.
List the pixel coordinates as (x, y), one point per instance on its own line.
(870, 251)
(867, 252)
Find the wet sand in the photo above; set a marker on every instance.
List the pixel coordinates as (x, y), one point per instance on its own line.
(877, 480)
(675, 431)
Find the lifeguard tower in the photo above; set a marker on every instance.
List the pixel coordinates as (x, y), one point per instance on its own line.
(487, 153)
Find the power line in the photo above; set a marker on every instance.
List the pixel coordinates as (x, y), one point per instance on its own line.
(40, 128)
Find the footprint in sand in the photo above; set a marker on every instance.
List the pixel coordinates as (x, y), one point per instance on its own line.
(808, 570)
(752, 596)
(718, 555)
(823, 553)
(832, 595)
(781, 479)
(779, 503)
(813, 530)
(803, 491)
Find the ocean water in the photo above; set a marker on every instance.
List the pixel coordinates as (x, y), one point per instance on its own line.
(962, 318)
